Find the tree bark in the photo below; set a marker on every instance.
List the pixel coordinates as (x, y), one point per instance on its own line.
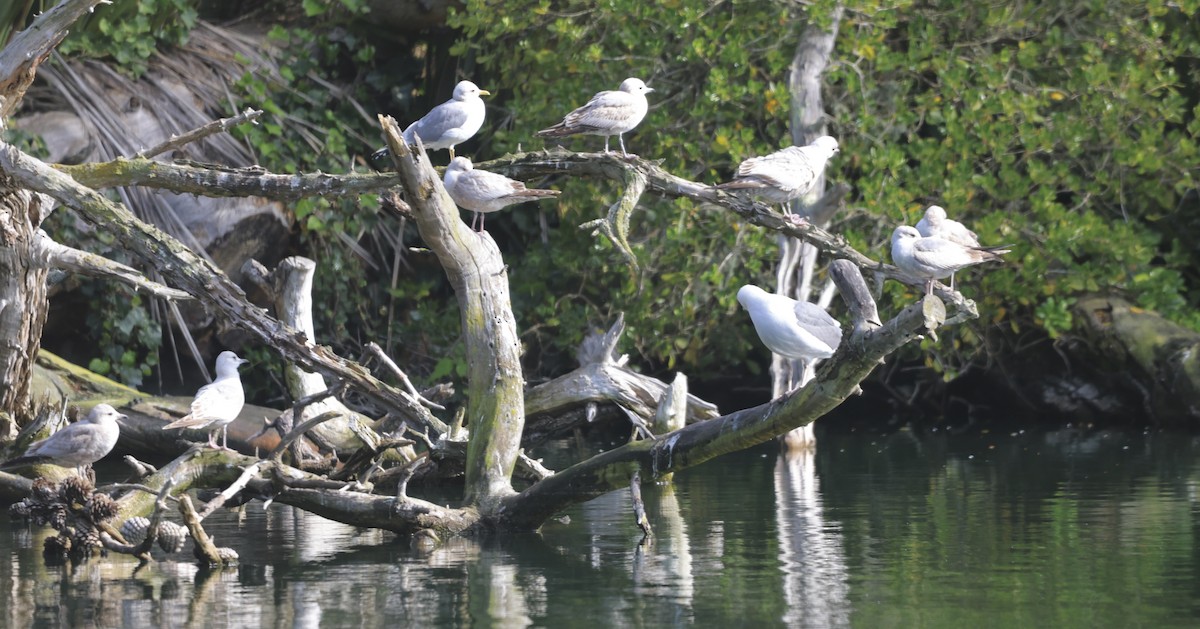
(23, 304)
(476, 270)
(23, 300)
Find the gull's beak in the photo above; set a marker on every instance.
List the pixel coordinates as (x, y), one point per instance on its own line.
(649, 89)
(484, 93)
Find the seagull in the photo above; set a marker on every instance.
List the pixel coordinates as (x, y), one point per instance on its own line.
(482, 192)
(609, 113)
(786, 174)
(935, 223)
(77, 445)
(933, 258)
(453, 122)
(793, 329)
(218, 403)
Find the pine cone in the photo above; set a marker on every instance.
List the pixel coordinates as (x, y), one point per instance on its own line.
(23, 509)
(172, 536)
(101, 508)
(134, 529)
(228, 555)
(56, 546)
(44, 491)
(56, 517)
(75, 490)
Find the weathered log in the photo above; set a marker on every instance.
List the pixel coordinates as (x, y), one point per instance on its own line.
(293, 279)
(476, 270)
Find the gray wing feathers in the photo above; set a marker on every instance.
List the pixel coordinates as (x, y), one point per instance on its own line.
(437, 122)
(820, 323)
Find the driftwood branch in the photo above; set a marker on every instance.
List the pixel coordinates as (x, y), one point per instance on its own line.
(837, 379)
(200, 278)
(216, 126)
(476, 270)
(19, 60)
(223, 181)
(375, 350)
(60, 256)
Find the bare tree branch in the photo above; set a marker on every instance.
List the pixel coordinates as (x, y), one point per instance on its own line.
(82, 262)
(216, 126)
(203, 280)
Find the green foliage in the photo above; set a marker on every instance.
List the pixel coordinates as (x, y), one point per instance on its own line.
(721, 96)
(1069, 132)
(312, 124)
(1066, 131)
(130, 31)
(128, 344)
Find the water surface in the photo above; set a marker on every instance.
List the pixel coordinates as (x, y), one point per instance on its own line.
(1064, 528)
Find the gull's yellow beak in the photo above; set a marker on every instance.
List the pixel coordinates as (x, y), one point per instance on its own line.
(484, 93)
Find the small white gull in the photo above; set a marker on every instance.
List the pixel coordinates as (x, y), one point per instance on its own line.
(786, 174)
(932, 258)
(793, 329)
(76, 445)
(453, 122)
(935, 223)
(484, 192)
(608, 113)
(218, 403)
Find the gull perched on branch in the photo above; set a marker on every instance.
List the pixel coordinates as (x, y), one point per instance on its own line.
(453, 122)
(609, 113)
(786, 174)
(935, 223)
(218, 403)
(793, 329)
(933, 258)
(484, 192)
(77, 445)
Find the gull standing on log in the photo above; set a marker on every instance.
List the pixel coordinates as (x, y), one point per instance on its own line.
(786, 174)
(218, 403)
(609, 113)
(76, 445)
(935, 223)
(484, 192)
(933, 258)
(793, 329)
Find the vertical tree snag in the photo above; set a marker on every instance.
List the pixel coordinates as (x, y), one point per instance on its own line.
(812, 57)
(472, 261)
(22, 278)
(23, 301)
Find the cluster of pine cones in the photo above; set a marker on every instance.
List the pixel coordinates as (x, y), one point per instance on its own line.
(73, 509)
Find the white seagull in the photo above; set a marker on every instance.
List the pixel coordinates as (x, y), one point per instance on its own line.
(453, 122)
(933, 258)
(483, 192)
(218, 403)
(935, 223)
(793, 329)
(786, 174)
(76, 445)
(609, 113)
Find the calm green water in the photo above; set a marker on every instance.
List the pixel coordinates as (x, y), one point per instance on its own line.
(1030, 529)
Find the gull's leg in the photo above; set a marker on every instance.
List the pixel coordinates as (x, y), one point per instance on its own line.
(212, 439)
(621, 139)
(225, 437)
(951, 281)
(482, 218)
(606, 145)
(451, 149)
